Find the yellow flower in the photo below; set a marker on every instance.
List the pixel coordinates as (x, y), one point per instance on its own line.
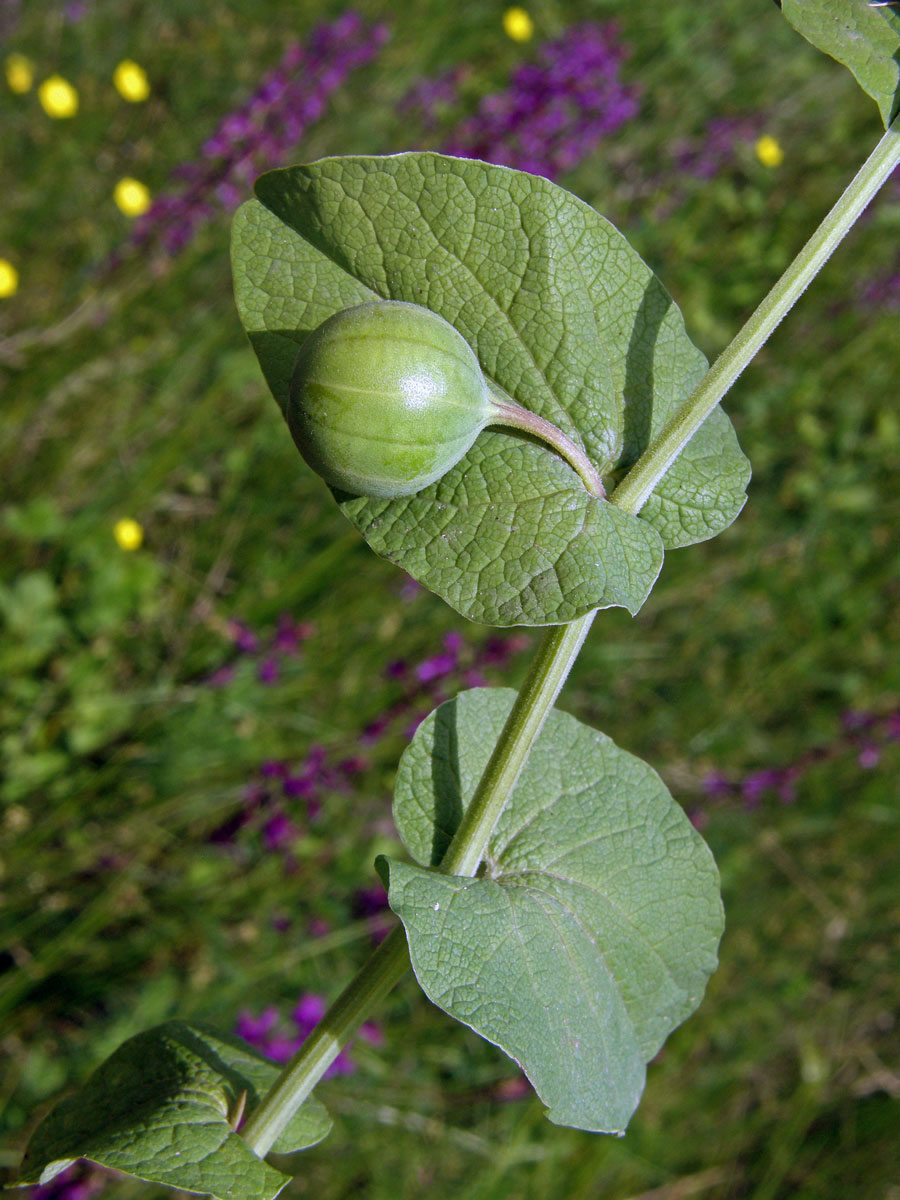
(131, 81)
(132, 197)
(769, 151)
(9, 279)
(19, 73)
(58, 98)
(517, 24)
(128, 533)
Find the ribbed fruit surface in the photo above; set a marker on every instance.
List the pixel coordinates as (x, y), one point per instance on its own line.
(385, 398)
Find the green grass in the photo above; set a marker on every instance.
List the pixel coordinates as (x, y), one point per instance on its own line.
(117, 761)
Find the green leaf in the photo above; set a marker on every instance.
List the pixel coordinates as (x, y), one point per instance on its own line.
(594, 926)
(563, 315)
(862, 36)
(161, 1109)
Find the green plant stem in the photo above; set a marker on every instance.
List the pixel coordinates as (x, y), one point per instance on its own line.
(555, 657)
(547, 674)
(635, 488)
(384, 968)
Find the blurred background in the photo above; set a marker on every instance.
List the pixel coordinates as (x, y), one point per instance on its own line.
(206, 678)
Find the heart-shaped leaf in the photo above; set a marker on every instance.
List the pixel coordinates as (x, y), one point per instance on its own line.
(594, 925)
(563, 315)
(864, 36)
(163, 1108)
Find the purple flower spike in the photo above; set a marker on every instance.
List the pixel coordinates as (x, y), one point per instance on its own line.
(369, 902)
(717, 786)
(281, 1048)
(261, 133)
(273, 769)
(756, 785)
(244, 637)
(290, 634)
(269, 671)
(256, 1030)
(279, 832)
(309, 1011)
(222, 677)
(297, 785)
(556, 110)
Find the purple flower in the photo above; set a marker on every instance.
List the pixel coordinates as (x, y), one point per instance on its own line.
(369, 902)
(273, 769)
(373, 731)
(342, 1065)
(555, 111)
(435, 667)
(261, 132)
(281, 1048)
(855, 720)
(80, 1181)
(497, 651)
(354, 765)
(297, 785)
(371, 1033)
(279, 831)
(256, 1030)
(222, 677)
(269, 671)
(756, 785)
(308, 1012)
(717, 786)
(290, 634)
(243, 637)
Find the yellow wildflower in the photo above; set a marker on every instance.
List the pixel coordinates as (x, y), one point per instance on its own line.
(19, 73)
(9, 279)
(518, 25)
(131, 81)
(128, 533)
(58, 98)
(769, 151)
(132, 197)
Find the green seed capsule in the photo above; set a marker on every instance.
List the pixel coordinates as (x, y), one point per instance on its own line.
(386, 397)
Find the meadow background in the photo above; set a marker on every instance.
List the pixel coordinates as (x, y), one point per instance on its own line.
(206, 677)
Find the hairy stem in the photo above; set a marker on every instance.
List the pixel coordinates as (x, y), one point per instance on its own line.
(555, 657)
(635, 488)
(547, 674)
(384, 968)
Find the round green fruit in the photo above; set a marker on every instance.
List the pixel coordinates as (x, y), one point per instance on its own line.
(387, 396)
